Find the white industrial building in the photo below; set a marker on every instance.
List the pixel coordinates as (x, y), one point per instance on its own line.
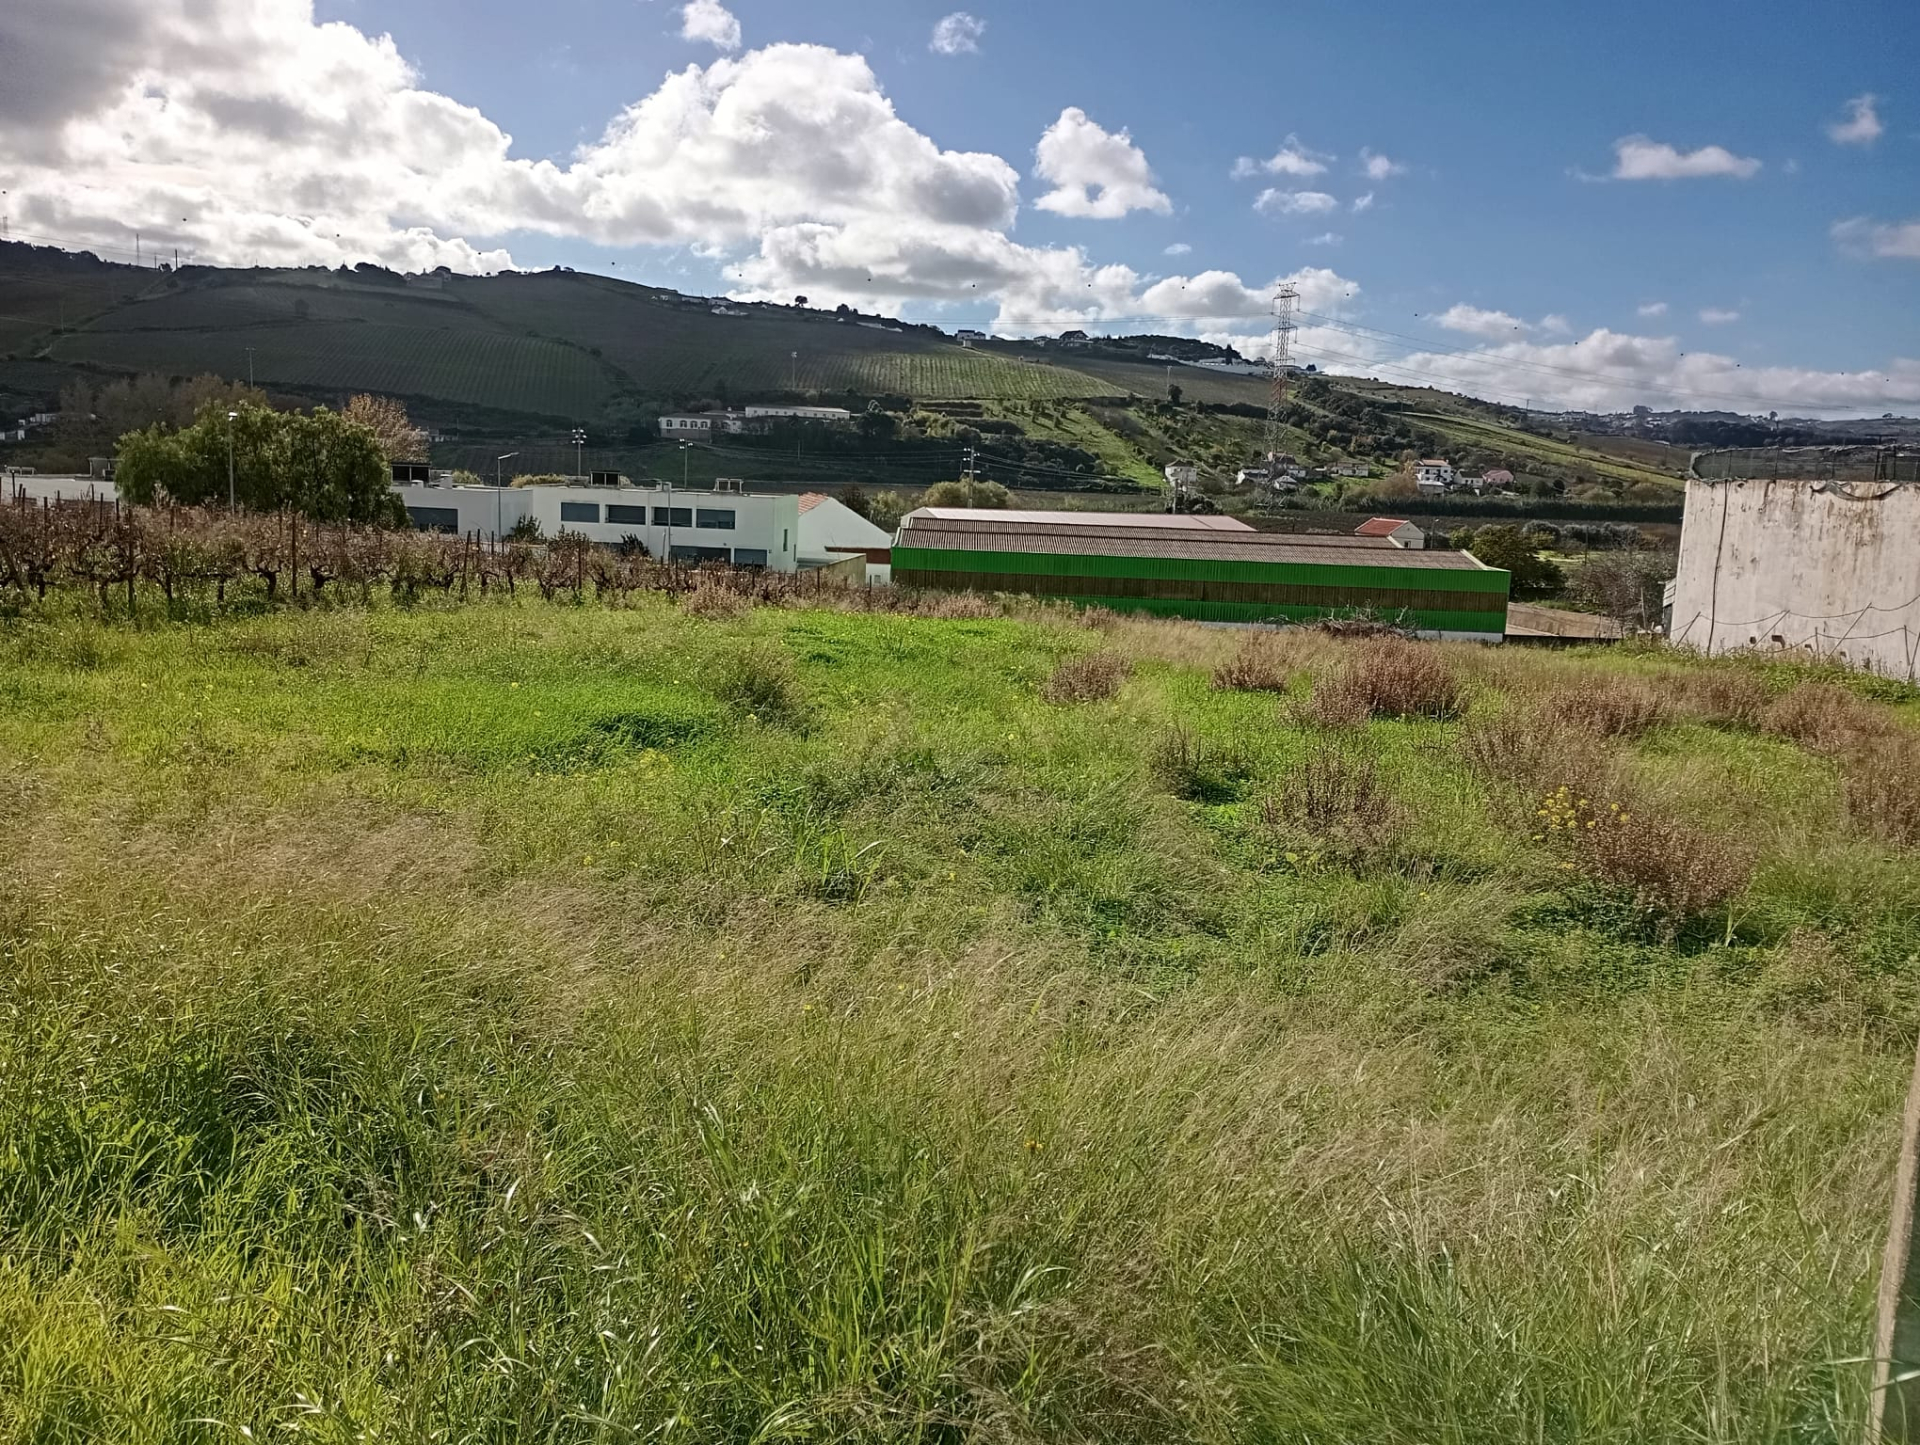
(1831, 568)
(742, 528)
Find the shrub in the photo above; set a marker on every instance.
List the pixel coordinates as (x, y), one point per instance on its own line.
(714, 602)
(1263, 663)
(1189, 767)
(1090, 677)
(1613, 707)
(761, 680)
(1387, 677)
(1673, 870)
(1334, 799)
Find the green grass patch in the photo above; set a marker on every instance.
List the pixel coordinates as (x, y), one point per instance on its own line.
(559, 1022)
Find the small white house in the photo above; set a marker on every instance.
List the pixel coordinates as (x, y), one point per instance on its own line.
(699, 427)
(1181, 475)
(965, 334)
(1397, 531)
(1433, 475)
(1495, 479)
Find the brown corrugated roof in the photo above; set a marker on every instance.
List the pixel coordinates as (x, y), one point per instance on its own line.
(1195, 544)
(1379, 527)
(1174, 520)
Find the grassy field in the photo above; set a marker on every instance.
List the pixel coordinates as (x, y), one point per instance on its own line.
(565, 1023)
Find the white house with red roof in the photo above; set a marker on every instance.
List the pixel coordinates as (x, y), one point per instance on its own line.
(1397, 531)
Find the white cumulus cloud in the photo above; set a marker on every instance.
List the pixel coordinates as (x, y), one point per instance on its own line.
(1363, 203)
(1097, 174)
(958, 34)
(1653, 308)
(1718, 315)
(711, 23)
(1378, 167)
(1476, 322)
(1292, 159)
(1862, 236)
(1636, 158)
(1273, 202)
(1178, 248)
(1325, 238)
(1863, 125)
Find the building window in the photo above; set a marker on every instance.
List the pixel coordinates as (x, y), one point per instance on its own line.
(579, 511)
(435, 519)
(714, 519)
(783, 541)
(749, 556)
(687, 553)
(631, 515)
(673, 516)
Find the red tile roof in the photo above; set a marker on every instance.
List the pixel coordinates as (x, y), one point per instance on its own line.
(810, 500)
(1379, 527)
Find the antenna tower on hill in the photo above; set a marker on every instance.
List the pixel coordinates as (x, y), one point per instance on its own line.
(1283, 304)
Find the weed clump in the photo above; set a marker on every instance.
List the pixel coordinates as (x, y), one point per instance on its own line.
(713, 602)
(1727, 699)
(1263, 663)
(1386, 677)
(1882, 787)
(1090, 677)
(1674, 871)
(1187, 766)
(1824, 717)
(1337, 800)
(761, 681)
(1613, 707)
(956, 607)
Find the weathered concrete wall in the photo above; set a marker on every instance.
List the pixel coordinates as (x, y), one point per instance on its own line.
(1833, 568)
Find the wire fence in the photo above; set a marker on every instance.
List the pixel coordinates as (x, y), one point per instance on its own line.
(1813, 464)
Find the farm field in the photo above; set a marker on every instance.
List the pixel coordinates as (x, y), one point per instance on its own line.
(551, 1022)
(476, 367)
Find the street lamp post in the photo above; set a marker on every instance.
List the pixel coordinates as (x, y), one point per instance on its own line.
(685, 448)
(499, 496)
(230, 420)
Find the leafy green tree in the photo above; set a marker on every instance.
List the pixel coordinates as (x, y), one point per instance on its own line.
(319, 463)
(886, 509)
(966, 494)
(1510, 548)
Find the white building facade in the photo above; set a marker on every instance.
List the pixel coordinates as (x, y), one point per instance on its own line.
(742, 529)
(1830, 568)
(1433, 475)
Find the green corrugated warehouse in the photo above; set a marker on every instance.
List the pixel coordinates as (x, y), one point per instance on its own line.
(1214, 569)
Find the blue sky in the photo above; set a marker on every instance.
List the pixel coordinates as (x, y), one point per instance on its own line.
(1762, 243)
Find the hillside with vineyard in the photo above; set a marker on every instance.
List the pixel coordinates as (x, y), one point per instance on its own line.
(511, 363)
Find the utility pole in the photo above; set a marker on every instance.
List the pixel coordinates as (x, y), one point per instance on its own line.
(1283, 304)
(579, 441)
(793, 374)
(230, 494)
(249, 366)
(970, 456)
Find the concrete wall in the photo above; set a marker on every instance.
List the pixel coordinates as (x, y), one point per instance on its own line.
(1833, 568)
(56, 489)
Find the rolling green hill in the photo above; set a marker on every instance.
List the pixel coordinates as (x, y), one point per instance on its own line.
(513, 362)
